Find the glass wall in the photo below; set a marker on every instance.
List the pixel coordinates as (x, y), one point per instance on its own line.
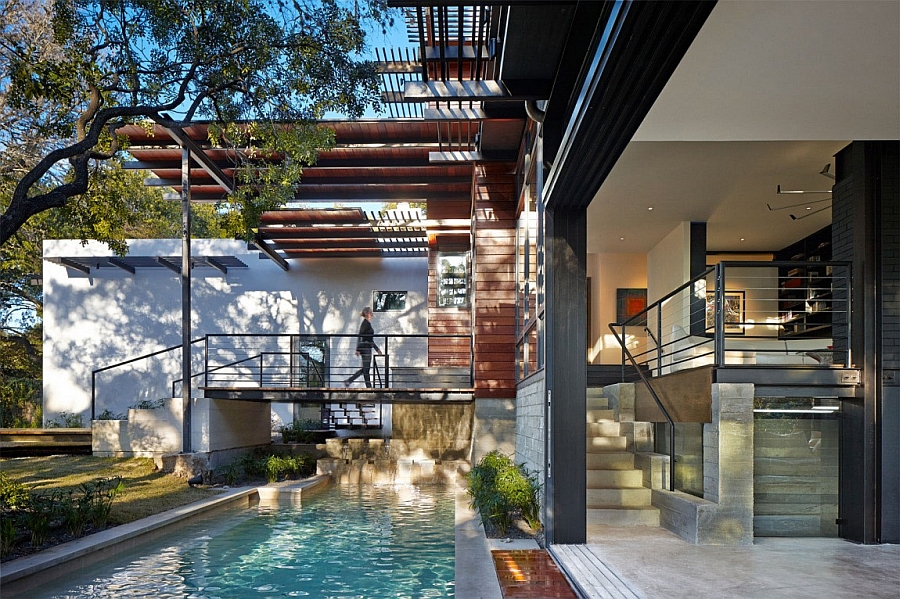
(795, 466)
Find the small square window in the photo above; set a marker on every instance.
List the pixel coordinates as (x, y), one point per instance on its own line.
(389, 301)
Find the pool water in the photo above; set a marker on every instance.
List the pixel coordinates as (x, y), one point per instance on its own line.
(343, 542)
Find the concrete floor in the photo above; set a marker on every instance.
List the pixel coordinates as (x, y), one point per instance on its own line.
(655, 563)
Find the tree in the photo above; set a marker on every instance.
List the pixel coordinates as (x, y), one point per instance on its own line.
(250, 67)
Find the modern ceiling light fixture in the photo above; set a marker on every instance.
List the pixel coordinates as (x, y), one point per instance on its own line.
(787, 191)
(769, 206)
(793, 217)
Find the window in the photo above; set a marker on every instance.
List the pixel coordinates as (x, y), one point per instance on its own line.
(530, 271)
(453, 280)
(389, 301)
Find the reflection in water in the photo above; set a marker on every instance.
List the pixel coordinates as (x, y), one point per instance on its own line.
(346, 542)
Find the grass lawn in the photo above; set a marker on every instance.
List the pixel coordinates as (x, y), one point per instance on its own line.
(147, 491)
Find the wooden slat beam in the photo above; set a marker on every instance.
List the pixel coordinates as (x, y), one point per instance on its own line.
(442, 157)
(75, 265)
(421, 91)
(199, 155)
(259, 243)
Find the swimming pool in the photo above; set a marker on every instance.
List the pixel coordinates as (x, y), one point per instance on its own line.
(343, 542)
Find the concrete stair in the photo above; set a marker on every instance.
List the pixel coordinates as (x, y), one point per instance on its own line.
(616, 495)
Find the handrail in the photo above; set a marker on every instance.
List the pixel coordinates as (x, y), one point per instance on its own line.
(275, 344)
(656, 399)
(260, 355)
(96, 371)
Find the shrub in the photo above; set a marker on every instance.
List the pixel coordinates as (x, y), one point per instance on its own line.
(149, 404)
(501, 491)
(108, 414)
(271, 466)
(38, 514)
(300, 431)
(66, 420)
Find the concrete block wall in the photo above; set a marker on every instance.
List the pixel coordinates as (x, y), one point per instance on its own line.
(146, 432)
(796, 477)
(529, 430)
(724, 516)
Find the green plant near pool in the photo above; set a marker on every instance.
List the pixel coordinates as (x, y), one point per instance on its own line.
(501, 490)
(271, 466)
(308, 430)
(36, 515)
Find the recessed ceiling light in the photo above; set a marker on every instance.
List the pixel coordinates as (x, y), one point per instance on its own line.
(621, 239)
(650, 208)
(742, 239)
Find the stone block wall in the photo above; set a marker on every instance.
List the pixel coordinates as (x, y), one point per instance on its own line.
(724, 516)
(530, 424)
(441, 432)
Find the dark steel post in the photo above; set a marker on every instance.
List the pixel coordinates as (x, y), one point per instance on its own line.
(186, 299)
(719, 312)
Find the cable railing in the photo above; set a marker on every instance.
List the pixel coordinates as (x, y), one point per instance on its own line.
(286, 361)
(786, 314)
(766, 314)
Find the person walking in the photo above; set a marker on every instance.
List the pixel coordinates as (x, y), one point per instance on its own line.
(365, 343)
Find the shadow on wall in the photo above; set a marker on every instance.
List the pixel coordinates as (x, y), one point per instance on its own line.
(115, 317)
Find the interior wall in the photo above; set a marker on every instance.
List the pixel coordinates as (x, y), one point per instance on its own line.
(668, 263)
(109, 316)
(608, 273)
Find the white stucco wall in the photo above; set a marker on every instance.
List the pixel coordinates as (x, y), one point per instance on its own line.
(91, 321)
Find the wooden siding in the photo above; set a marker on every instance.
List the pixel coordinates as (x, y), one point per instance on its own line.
(494, 281)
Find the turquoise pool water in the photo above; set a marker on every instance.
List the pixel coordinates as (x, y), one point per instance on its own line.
(343, 542)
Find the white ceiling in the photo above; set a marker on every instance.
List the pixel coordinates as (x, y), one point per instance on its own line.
(769, 91)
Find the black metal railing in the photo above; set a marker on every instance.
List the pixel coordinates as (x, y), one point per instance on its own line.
(290, 362)
(758, 314)
(747, 313)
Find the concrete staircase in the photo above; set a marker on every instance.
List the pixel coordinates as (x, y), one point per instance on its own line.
(616, 495)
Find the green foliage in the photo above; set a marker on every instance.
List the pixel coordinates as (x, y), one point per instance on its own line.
(271, 466)
(66, 420)
(76, 70)
(149, 404)
(501, 491)
(108, 414)
(13, 495)
(37, 515)
(300, 431)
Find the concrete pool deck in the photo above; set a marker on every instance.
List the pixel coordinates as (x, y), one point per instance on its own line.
(475, 574)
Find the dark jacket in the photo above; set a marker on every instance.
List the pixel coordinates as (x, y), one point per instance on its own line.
(366, 340)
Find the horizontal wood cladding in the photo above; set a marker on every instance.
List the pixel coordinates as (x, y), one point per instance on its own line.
(494, 281)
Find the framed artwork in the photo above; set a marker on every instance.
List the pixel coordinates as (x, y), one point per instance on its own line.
(629, 303)
(388, 301)
(734, 312)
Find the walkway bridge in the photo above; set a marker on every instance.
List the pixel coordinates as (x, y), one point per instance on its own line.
(307, 369)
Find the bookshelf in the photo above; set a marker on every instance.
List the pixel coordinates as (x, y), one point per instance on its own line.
(805, 289)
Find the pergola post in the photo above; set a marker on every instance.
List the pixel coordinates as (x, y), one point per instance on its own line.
(186, 298)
